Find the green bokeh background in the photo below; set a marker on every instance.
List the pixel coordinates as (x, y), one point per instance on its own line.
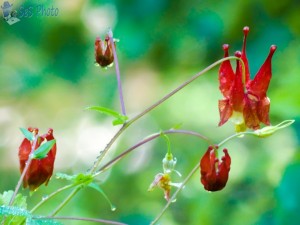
(48, 77)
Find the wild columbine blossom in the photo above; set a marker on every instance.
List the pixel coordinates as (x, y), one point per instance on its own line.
(163, 180)
(103, 52)
(40, 170)
(245, 101)
(214, 173)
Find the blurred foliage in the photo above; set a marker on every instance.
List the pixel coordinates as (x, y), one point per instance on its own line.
(48, 77)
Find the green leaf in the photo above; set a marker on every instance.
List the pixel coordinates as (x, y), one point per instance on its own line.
(13, 210)
(119, 118)
(97, 188)
(65, 176)
(177, 126)
(43, 150)
(13, 215)
(19, 201)
(43, 221)
(83, 179)
(28, 135)
(77, 179)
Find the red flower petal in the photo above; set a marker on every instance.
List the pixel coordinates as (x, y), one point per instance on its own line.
(40, 170)
(263, 110)
(237, 95)
(250, 112)
(225, 111)
(244, 56)
(226, 75)
(224, 168)
(259, 85)
(103, 52)
(214, 174)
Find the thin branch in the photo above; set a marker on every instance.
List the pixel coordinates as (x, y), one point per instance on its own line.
(241, 134)
(116, 62)
(150, 138)
(82, 218)
(51, 196)
(27, 164)
(180, 87)
(67, 199)
(173, 198)
(104, 152)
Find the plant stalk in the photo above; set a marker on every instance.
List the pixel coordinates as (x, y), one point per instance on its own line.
(83, 219)
(173, 198)
(27, 164)
(50, 196)
(116, 62)
(144, 141)
(66, 200)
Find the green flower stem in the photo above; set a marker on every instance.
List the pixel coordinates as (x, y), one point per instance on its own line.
(169, 152)
(27, 164)
(66, 200)
(241, 134)
(104, 152)
(147, 110)
(83, 219)
(173, 198)
(116, 62)
(144, 141)
(51, 196)
(166, 97)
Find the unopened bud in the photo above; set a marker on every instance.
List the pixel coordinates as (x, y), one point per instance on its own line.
(269, 130)
(169, 163)
(103, 52)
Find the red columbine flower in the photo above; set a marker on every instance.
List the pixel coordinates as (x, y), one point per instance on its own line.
(245, 101)
(40, 170)
(103, 52)
(214, 174)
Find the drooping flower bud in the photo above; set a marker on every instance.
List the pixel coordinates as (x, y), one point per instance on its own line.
(164, 180)
(103, 51)
(40, 170)
(169, 163)
(214, 174)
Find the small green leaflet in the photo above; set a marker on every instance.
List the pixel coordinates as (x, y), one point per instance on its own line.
(177, 126)
(119, 118)
(13, 210)
(19, 201)
(77, 179)
(83, 179)
(65, 176)
(15, 215)
(42, 221)
(28, 135)
(43, 150)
